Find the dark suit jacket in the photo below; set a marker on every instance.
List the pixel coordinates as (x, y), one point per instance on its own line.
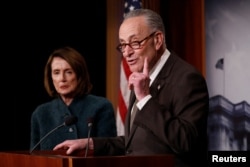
(173, 121)
(51, 114)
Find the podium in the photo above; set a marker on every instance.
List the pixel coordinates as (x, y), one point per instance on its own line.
(59, 159)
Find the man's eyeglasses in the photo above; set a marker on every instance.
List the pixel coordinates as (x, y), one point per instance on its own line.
(134, 45)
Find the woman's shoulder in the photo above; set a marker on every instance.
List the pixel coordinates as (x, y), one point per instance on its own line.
(45, 106)
(48, 103)
(95, 98)
(97, 102)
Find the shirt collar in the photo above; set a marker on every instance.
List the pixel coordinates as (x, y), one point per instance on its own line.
(158, 66)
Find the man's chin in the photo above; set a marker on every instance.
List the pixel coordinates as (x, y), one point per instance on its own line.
(134, 68)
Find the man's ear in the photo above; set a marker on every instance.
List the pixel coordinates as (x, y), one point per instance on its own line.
(158, 40)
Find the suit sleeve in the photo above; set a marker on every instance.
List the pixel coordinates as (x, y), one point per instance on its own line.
(109, 146)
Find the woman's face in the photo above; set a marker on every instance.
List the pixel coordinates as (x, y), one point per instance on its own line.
(63, 77)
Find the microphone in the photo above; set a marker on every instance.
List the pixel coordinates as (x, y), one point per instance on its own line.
(70, 120)
(90, 124)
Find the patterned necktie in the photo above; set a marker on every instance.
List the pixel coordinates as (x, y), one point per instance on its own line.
(133, 113)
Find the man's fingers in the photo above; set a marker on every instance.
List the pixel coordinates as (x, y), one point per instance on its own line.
(145, 67)
(61, 146)
(57, 147)
(69, 151)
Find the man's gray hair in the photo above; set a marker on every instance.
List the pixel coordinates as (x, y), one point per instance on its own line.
(153, 19)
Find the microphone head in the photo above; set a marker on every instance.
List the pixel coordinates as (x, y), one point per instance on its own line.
(70, 120)
(90, 122)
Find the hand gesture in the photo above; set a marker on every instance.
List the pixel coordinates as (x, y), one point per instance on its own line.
(139, 81)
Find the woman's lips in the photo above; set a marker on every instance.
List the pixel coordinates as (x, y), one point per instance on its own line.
(63, 87)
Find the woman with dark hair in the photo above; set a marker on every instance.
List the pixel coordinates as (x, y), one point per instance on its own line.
(67, 80)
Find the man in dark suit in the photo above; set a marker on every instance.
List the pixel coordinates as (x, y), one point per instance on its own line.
(169, 99)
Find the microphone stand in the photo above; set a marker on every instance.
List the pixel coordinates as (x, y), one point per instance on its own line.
(68, 121)
(87, 146)
(46, 136)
